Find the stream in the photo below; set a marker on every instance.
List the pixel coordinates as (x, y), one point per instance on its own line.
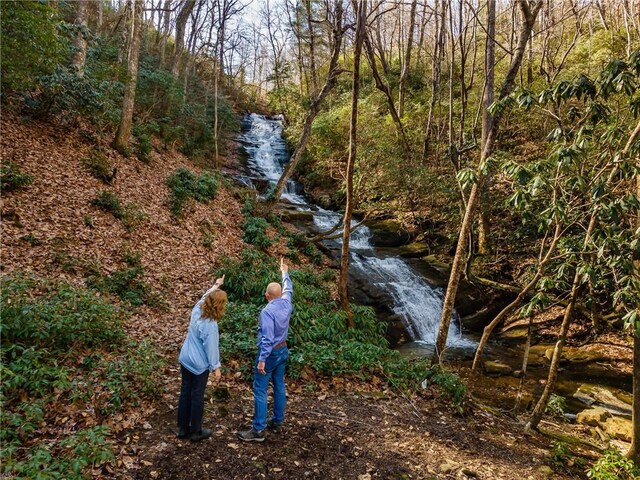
(417, 302)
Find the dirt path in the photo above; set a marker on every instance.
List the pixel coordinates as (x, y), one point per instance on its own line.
(339, 436)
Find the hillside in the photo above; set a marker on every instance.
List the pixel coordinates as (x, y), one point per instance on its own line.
(339, 427)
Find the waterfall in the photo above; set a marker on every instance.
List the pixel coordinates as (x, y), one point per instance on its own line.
(415, 301)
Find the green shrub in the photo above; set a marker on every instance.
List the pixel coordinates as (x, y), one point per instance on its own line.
(32, 24)
(12, 178)
(62, 343)
(108, 202)
(614, 466)
(247, 277)
(318, 333)
(129, 214)
(66, 93)
(63, 459)
(143, 142)
(185, 184)
(62, 318)
(255, 232)
(127, 283)
(99, 166)
(449, 382)
(556, 405)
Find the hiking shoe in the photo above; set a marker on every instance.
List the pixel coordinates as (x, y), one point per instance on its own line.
(183, 432)
(251, 436)
(274, 426)
(201, 435)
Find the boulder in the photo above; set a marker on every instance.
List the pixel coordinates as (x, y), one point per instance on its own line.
(576, 355)
(388, 233)
(590, 394)
(619, 428)
(497, 367)
(593, 416)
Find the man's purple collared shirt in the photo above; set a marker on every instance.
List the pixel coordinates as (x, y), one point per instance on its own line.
(273, 326)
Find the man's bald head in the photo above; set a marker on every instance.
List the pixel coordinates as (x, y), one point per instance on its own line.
(274, 290)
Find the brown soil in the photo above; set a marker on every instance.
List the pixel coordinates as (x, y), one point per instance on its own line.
(340, 436)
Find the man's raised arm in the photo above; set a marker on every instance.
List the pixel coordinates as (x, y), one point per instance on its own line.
(287, 284)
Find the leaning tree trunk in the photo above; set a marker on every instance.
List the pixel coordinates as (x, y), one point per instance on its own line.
(529, 16)
(80, 42)
(121, 142)
(314, 108)
(181, 24)
(353, 135)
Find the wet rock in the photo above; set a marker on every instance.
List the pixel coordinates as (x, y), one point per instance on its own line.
(414, 250)
(618, 428)
(477, 320)
(497, 367)
(388, 233)
(594, 394)
(297, 216)
(593, 416)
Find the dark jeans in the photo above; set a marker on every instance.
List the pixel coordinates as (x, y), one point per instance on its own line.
(191, 405)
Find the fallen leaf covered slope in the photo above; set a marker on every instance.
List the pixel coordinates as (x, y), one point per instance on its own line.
(51, 229)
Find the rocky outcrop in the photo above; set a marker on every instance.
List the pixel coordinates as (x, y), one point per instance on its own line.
(593, 417)
(496, 367)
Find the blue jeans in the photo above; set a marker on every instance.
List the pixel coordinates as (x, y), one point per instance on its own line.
(274, 368)
(191, 405)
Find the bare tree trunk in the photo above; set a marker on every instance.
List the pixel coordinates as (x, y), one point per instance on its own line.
(634, 449)
(487, 119)
(525, 361)
(79, 41)
(314, 108)
(351, 160)
(530, 13)
(402, 84)
(121, 142)
(438, 53)
(99, 13)
(165, 31)
(181, 24)
(312, 48)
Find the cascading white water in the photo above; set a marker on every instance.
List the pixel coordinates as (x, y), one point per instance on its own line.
(415, 301)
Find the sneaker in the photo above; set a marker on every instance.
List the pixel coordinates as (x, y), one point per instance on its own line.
(251, 436)
(183, 432)
(274, 426)
(201, 435)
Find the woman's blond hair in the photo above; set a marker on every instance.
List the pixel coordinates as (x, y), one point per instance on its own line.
(214, 305)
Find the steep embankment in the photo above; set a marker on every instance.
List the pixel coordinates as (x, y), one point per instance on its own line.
(52, 228)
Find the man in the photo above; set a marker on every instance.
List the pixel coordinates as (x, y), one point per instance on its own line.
(273, 329)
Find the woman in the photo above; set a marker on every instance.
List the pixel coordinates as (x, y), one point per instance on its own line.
(199, 356)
